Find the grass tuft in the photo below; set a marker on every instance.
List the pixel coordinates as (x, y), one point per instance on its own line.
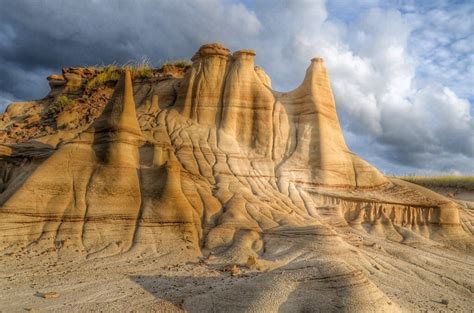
(112, 72)
(448, 181)
(106, 74)
(62, 102)
(178, 63)
(140, 69)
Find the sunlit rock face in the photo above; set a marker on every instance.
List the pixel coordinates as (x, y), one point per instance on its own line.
(211, 159)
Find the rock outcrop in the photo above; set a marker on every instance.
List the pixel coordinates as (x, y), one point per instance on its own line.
(215, 161)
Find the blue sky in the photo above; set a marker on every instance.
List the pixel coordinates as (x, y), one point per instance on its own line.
(402, 71)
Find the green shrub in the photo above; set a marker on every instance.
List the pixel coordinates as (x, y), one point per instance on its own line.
(62, 102)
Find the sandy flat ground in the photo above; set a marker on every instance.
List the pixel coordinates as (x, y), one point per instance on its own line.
(354, 271)
(365, 273)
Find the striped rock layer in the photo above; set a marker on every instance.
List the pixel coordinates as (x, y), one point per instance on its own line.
(212, 161)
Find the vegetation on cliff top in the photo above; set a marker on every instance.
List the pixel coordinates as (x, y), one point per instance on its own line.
(178, 63)
(447, 181)
(112, 72)
(140, 69)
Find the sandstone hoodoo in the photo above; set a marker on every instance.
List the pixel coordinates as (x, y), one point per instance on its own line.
(205, 159)
(221, 156)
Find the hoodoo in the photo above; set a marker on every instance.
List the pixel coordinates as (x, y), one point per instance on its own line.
(315, 125)
(207, 159)
(200, 95)
(229, 157)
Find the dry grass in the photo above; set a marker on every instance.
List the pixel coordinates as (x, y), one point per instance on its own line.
(106, 74)
(448, 181)
(178, 63)
(112, 72)
(60, 104)
(140, 69)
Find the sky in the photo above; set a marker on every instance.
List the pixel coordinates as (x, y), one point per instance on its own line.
(402, 72)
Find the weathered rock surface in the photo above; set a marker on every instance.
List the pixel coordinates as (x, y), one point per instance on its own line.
(215, 161)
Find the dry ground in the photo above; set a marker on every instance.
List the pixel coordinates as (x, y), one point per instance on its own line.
(352, 272)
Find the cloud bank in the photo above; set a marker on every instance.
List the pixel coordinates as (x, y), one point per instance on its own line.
(402, 75)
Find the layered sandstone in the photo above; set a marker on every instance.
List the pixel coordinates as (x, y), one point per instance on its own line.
(216, 152)
(214, 161)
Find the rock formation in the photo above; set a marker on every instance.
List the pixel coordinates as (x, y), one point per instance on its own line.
(224, 156)
(214, 161)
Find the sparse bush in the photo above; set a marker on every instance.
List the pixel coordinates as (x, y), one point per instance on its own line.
(183, 63)
(61, 103)
(178, 63)
(112, 72)
(140, 69)
(106, 74)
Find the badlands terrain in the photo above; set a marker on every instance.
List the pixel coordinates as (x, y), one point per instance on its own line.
(197, 187)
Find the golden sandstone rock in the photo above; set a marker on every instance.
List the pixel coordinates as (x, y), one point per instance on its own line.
(220, 163)
(48, 295)
(216, 161)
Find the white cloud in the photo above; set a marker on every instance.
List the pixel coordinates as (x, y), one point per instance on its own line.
(442, 40)
(413, 122)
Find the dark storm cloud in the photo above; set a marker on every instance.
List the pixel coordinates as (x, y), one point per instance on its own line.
(44, 36)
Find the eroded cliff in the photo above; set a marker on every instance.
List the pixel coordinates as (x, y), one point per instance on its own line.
(206, 159)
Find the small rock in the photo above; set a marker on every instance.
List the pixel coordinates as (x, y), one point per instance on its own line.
(445, 301)
(211, 257)
(368, 243)
(6, 117)
(251, 262)
(48, 295)
(33, 119)
(235, 271)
